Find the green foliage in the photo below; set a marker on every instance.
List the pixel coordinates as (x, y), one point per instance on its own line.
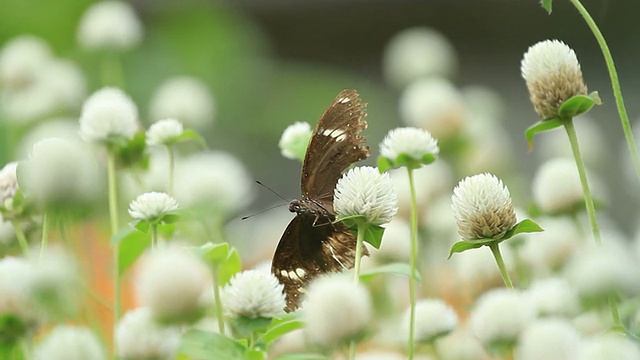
(131, 153)
(547, 4)
(540, 126)
(204, 345)
(281, 327)
(225, 260)
(524, 226)
(131, 244)
(404, 160)
(394, 268)
(577, 105)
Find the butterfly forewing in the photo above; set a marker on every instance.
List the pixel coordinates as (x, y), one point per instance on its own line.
(312, 244)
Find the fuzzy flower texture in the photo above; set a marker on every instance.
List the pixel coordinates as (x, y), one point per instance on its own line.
(408, 141)
(482, 207)
(253, 294)
(164, 132)
(364, 191)
(152, 206)
(552, 73)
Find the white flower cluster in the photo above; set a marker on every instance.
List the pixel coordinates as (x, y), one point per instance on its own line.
(164, 132)
(140, 336)
(294, 140)
(409, 141)
(110, 25)
(152, 206)
(108, 112)
(253, 294)
(185, 98)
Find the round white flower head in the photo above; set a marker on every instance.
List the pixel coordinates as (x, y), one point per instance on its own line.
(110, 25)
(172, 283)
(554, 297)
(152, 206)
(67, 342)
(213, 180)
(140, 336)
(596, 271)
(253, 294)
(548, 251)
(21, 60)
(336, 310)
(294, 140)
(185, 98)
(61, 128)
(65, 82)
(461, 345)
(482, 207)
(108, 112)
(418, 52)
(549, 339)
(364, 191)
(164, 132)
(434, 318)
(609, 346)
(15, 296)
(434, 105)
(557, 187)
(500, 315)
(552, 73)
(60, 171)
(8, 183)
(409, 141)
(56, 285)
(396, 242)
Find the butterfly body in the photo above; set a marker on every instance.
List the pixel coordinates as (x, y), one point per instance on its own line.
(313, 243)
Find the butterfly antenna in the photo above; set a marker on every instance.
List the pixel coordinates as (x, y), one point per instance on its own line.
(262, 211)
(272, 191)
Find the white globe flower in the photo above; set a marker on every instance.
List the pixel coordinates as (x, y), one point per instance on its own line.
(548, 251)
(164, 132)
(8, 183)
(336, 310)
(294, 140)
(21, 60)
(552, 73)
(408, 141)
(434, 319)
(152, 206)
(609, 346)
(56, 284)
(253, 294)
(109, 25)
(15, 296)
(108, 112)
(554, 297)
(65, 128)
(140, 336)
(482, 207)
(67, 342)
(185, 98)
(549, 339)
(364, 191)
(174, 284)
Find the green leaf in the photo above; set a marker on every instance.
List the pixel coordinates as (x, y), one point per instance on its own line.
(133, 152)
(215, 253)
(246, 326)
(141, 225)
(463, 245)
(204, 345)
(384, 164)
(546, 4)
(132, 244)
(256, 355)
(575, 106)
(166, 230)
(278, 330)
(189, 134)
(301, 357)
(404, 160)
(229, 267)
(394, 268)
(524, 226)
(170, 218)
(540, 126)
(373, 235)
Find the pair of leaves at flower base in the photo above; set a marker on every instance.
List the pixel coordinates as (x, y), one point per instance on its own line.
(224, 259)
(569, 109)
(524, 226)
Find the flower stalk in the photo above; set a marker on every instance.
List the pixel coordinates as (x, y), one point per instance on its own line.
(413, 263)
(495, 250)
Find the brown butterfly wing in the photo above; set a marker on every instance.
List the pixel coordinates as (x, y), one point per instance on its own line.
(335, 144)
(306, 251)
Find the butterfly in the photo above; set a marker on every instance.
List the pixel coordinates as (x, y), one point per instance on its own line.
(313, 244)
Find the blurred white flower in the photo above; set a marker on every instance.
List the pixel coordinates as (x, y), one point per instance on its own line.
(554, 297)
(173, 283)
(56, 285)
(548, 251)
(7, 232)
(461, 345)
(431, 182)
(60, 171)
(253, 294)
(66, 82)
(111, 25)
(21, 60)
(609, 346)
(185, 98)
(140, 336)
(552, 73)
(482, 207)
(396, 242)
(383, 355)
(500, 315)
(294, 140)
(434, 105)
(215, 180)
(364, 191)
(549, 339)
(61, 128)
(67, 342)
(409, 141)
(418, 52)
(557, 186)
(152, 206)
(336, 311)
(8, 183)
(478, 272)
(108, 112)
(434, 319)
(164, 132)
(16, 277)
(484, 103)
(555, 144)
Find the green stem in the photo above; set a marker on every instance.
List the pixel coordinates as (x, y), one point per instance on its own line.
(218, 302)
(154, 236)
(591, 210)
(45, 233)
(615, 314)
(362, 228)
(113, 215)
(495, 249)
(22, 239)
(171, 168)
(615, 84)
(413, 264)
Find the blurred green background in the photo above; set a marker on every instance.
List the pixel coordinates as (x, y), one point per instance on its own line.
(271, 63)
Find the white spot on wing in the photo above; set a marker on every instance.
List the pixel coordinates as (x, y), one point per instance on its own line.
(344, 100)
(337, 134)
(284, 273)
(300, 272)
